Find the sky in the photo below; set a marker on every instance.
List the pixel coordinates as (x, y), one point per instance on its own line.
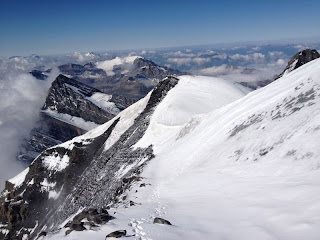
(56, 26)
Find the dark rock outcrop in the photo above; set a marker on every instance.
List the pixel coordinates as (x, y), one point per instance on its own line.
(38, 74)
(98, 216)
(161, 221)
(300, 59)
(117, 234)
(77, 226)
(121, 102)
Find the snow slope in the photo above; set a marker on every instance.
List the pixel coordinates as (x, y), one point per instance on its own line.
(245, 170)
(249, 170)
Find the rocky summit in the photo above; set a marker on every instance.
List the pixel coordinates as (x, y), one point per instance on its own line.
(70, 109)
(300, 59)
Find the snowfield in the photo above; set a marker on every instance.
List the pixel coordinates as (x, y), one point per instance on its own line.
(226, 166)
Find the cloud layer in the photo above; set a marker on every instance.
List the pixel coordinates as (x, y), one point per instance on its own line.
(21, 97)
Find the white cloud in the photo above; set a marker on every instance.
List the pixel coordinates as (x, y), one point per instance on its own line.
(240, 57)
(240, 74)
(132, 54)
(257, 56)
(211, 52)
(219, 70)
(281, 62)
(249, 57)
(180, 54)
(222, 56)
(275, 54)
(299, 46)
(144, 52)
(83, 57)
(199, 60)
(21, 98)
(180, 61)
(237, 47)
(188, 61)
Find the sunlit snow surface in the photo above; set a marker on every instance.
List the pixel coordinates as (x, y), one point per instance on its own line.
(247, 170)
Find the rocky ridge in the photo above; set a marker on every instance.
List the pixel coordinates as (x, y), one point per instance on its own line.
(300, 59)
(55, 186)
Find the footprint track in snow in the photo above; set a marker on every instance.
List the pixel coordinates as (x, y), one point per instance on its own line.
(138, 229)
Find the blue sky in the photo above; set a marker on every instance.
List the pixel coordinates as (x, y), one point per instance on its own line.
(49, 27)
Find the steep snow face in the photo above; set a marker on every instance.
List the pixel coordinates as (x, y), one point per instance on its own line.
(191, 97)
(249, 170)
